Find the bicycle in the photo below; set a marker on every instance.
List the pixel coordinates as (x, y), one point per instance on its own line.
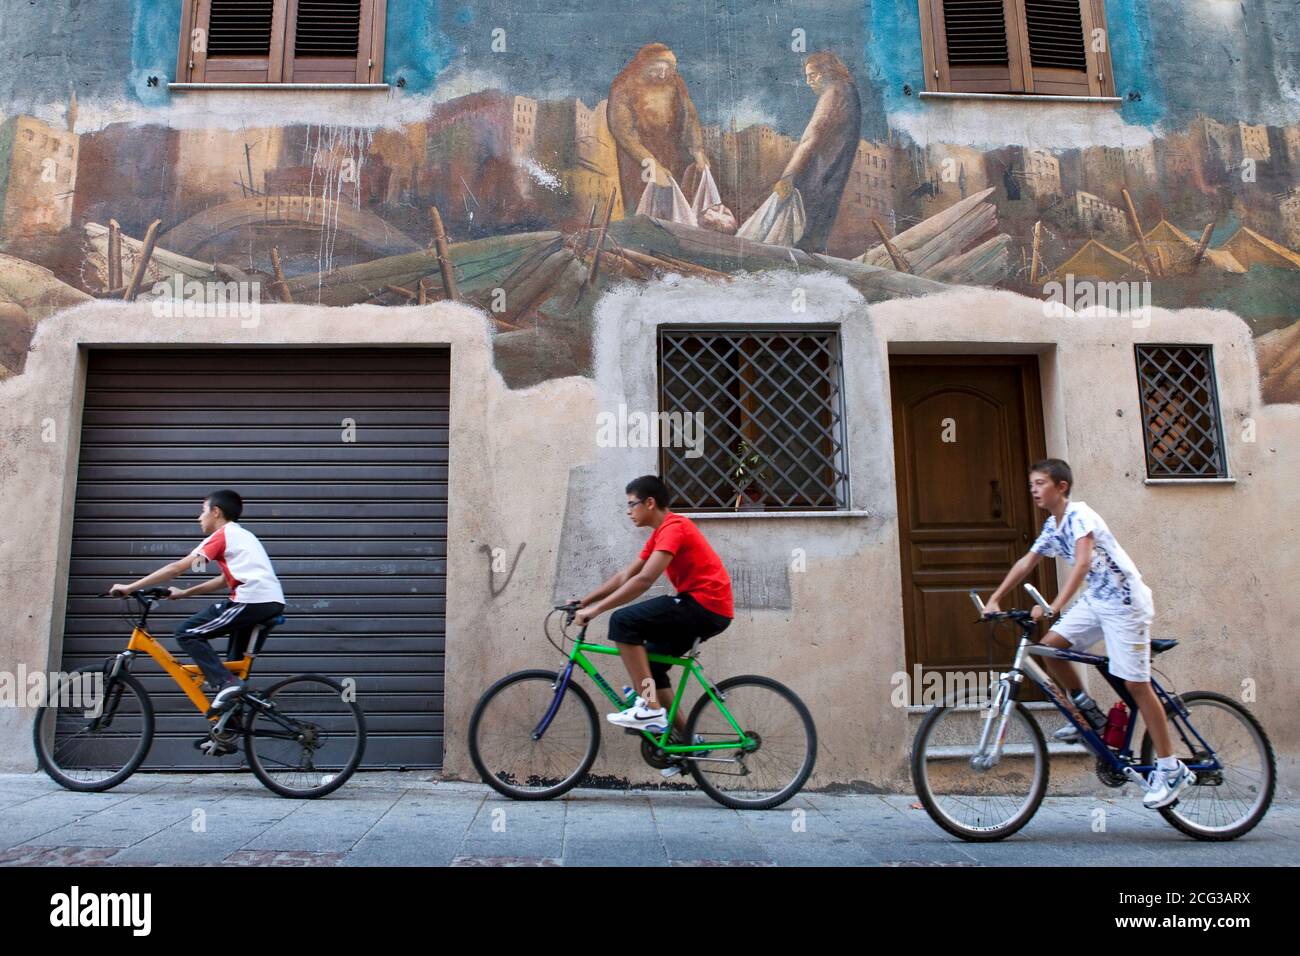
(534, 734)
(92, 749)
(987, 788)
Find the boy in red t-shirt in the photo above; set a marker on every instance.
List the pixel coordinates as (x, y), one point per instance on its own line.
(702, 606)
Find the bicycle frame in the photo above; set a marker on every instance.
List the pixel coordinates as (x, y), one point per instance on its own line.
(1121, 761)
(187, 676)
(578, 657)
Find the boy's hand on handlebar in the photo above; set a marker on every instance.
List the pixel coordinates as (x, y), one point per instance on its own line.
(1037, 613)
(119, 590)
(991, 607)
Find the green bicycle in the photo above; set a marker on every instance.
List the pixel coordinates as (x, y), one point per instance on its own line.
(534, 734)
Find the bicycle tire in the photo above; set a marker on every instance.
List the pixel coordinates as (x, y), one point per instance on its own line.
(337, 778)
(1217, 835)
(493, 778)
(47, 762)
(806, 767)
(921, 780)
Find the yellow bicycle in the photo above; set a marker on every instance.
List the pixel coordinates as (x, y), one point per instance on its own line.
(302, 737)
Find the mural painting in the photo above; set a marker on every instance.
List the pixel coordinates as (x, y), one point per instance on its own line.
(528, 195)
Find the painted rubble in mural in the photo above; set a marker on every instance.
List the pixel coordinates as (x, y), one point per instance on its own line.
(529, 206)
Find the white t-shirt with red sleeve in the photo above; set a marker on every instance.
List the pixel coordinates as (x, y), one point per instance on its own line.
(243, 562)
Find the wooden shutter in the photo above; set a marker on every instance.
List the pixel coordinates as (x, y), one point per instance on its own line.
(233, 41)
(282, 41)
(335, 41)
(970, 40)
(1055, 47)
(1015, 46)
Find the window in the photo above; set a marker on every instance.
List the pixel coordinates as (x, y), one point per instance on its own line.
(1044, 47)
(1182, 428)
(282, 41)
(770, 409)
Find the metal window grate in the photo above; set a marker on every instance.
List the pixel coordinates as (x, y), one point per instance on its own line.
(772, 417)
(1180, 412)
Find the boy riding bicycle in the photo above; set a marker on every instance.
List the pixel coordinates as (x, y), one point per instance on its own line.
(255, 593)
(1116, 606)
(702, 607)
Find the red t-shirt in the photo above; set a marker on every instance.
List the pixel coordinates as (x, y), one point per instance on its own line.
(695, 568)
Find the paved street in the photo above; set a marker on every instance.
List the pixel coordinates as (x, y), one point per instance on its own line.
(407, 819)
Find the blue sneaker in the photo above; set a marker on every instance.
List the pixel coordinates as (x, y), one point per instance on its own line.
(1164, 786)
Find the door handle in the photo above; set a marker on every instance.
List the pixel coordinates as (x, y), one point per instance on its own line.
(996, 503)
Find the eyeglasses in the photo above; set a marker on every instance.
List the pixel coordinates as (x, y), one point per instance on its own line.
(633, 504)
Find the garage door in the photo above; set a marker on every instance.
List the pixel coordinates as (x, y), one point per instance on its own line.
(341, 457)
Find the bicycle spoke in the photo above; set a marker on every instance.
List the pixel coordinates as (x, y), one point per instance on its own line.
(971, 800)
(502, 737)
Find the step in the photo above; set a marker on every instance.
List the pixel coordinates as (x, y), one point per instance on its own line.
(1044, 713)
(1010, 750)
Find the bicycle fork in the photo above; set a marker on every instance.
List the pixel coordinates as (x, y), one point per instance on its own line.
(996, 715)
(989, 752)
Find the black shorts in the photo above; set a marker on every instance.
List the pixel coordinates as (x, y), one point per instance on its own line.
(665, 625)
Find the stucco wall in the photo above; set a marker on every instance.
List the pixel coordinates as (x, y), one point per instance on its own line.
(525, 469)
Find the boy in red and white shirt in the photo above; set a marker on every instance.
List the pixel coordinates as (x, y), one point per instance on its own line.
(255, 593)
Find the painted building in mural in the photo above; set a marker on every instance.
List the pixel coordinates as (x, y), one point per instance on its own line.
(829, 227)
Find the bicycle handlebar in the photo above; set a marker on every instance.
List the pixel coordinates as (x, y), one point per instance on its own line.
(154, 593)
(1015, 614)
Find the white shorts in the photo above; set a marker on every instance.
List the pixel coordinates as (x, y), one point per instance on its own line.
(1126, 629)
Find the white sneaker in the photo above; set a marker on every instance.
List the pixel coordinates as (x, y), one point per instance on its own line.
(225, 698)
(640, 717)
(1069, 734)
(1165, 786)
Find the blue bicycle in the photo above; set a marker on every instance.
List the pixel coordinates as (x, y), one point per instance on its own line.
(980, 761)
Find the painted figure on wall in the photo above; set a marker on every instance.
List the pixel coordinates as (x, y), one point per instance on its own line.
(651, 116)
(821, 162)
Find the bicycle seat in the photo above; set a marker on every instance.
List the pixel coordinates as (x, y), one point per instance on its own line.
(1159, 646)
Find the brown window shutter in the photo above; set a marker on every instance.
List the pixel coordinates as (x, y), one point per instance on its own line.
(335, 41)
(1016, 46)
(235, 41)
(972, 47)
(1055, 46)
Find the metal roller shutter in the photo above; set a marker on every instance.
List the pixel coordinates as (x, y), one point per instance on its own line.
(357, 529)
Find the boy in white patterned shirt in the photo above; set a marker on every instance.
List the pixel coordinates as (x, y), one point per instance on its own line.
(1116, 606)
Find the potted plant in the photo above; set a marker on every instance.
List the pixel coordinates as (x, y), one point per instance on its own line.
(747, 474)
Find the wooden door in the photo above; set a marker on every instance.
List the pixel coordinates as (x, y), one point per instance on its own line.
(966, 429)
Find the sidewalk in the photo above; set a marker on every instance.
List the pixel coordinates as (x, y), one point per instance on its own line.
(405, 819)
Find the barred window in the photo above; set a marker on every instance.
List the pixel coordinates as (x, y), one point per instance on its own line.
(770, 408)
(1180, 412)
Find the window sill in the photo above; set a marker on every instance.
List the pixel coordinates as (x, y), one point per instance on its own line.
(199, 87)
(766, 515)
(1189, 481)
(1019, 97)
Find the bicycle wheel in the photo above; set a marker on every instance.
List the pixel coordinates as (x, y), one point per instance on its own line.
(1225, 804)
(303, 738)
(501, 743)
(976, 804)
(92, 735)
(774, 716)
